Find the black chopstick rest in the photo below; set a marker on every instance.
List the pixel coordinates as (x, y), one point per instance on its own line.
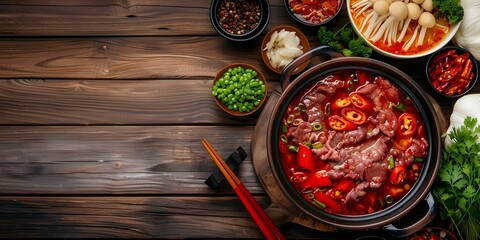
(233, 161)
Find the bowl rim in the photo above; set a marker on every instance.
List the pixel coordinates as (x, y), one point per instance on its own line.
(259, 76)
(307, 23)
(304, 42)
(475, 69)
(436, 47)
(262, 23)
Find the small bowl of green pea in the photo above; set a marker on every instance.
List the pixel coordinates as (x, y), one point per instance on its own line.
(239, 89)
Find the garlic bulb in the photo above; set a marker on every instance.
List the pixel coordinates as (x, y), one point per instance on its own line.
(466, 105)
(468, 35)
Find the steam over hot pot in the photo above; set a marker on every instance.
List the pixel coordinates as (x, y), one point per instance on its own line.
(351, 143)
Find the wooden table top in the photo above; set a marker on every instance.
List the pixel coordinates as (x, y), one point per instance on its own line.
(102, 108)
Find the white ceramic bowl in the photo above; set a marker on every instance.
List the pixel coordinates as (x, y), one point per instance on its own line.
(446, 39)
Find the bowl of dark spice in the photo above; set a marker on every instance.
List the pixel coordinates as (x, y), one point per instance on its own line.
(239, 20)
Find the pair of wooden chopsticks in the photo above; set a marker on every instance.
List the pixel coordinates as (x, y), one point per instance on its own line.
(256, 211)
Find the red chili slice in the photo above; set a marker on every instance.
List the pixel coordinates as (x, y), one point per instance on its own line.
(341, 189)
(354, 115)
(332, 205)
(443, 55)
(395, 192)
(460, 60)
(341, 102)
(319, 179)
(340, 124)
(398, 175)
(450, 73)
(402, 143)
(302, 9)
(310, 2)
(407, 125)
(455, 89)
(467, 68)
(361, 102)
(305, 158)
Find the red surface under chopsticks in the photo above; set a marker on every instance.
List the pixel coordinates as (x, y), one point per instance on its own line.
(264, 222)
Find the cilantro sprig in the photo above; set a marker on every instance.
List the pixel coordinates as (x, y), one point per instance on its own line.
(344, 40)
(458, 184)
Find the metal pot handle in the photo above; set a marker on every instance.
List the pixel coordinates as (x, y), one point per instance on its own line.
(429, 216)
(325, 50)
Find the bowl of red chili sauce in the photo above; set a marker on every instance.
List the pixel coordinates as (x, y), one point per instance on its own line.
(313, 12)
(452, 71)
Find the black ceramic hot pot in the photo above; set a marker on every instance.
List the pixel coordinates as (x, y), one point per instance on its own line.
(288, 203)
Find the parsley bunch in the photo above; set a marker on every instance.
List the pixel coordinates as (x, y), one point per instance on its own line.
(345, 40)
(458, 184)
(450, 8)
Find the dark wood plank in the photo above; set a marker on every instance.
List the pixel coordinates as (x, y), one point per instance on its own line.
(114, 18)
(121, 58)
(118, 160)
(127, 102)
(144, 217)
(126, 217)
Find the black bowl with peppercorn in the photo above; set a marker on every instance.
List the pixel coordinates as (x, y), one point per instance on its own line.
(452, 71)
(239, 20)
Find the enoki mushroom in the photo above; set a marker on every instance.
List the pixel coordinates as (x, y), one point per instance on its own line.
(389, 20)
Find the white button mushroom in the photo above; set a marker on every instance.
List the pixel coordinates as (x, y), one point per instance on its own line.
(381, 7)
(428, 5)
(418, 1)
(426, 20)
(399, 10)
(414, 11)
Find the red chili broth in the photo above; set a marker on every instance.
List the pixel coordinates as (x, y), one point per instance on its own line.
(374, 200)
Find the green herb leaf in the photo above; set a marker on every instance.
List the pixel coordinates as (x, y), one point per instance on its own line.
(457, 187)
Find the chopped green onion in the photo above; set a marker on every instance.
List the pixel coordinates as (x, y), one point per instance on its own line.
(290, 119)
(296, 111)
(400, 107)
(308, 144)
(297, 121)
(327, 109)
(419, 160)
(284, 138)
(293, 148)
(284, 128)
(316, 126)
(302, 107)
(389, 199)
(391, 163)
(320, 204)
(350, 85)
(317, 145)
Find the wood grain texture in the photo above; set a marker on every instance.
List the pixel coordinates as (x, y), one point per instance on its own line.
(126, 217)
(112, 102)
(171, 217)
(115, 18)
(118, 160)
